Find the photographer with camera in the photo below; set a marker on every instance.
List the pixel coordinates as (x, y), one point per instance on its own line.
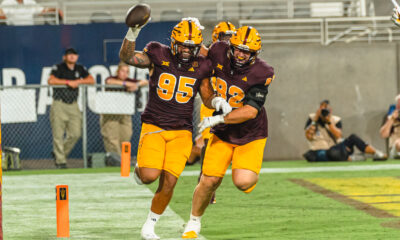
(391, 129)
(324, 134)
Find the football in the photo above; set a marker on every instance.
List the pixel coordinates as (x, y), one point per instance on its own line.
(138, 15)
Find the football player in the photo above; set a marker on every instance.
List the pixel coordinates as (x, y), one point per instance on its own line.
(240, 136)
(177, 73)
(223, 31)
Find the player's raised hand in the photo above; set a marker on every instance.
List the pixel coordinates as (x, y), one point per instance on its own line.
(395, 17)
(210, 122)
(136, 18)
(220, 104)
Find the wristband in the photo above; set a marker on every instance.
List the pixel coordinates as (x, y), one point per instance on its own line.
(313, 123)
(124, 83)
(67, 81)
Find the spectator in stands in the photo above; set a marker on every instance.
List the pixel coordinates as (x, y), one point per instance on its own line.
(323, 131)
(22, 12)
(391, 129)
(65, 116)
(117, 128)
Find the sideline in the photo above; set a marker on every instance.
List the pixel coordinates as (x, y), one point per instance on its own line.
(313, 169)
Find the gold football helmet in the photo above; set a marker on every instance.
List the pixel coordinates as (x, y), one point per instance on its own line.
(246, 39)
(187, 33)
(221, 30)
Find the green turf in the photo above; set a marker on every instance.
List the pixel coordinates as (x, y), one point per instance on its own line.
(280, 209)
(101, 206)
(276, 209)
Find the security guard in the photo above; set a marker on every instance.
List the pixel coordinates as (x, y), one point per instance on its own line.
(65, 117)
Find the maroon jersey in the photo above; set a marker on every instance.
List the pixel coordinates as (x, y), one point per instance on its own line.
(172, 88)
(233, 85)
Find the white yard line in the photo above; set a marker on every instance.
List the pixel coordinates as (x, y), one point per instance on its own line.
(314, 169)
(102, 206)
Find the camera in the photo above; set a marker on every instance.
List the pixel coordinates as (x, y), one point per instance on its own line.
(325, 112)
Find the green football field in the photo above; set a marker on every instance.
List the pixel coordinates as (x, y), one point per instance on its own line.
(293, 200)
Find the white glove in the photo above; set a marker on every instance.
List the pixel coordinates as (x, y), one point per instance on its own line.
(395, 17)
(133, 32)
(220, 104)
(210, 122)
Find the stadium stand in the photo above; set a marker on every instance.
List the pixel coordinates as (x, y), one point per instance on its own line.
(282, 23)
(101, 17)
(209, 15)
(80, 11)
(171, 15)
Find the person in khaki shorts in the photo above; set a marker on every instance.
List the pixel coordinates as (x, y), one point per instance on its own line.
(117, 128)
(65, 117)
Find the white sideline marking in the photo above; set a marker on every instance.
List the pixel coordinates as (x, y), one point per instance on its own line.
(102, 206)
(313, 169)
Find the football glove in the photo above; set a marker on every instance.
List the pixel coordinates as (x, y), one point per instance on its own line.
(209, 122)
(132, 33)
(220, 104)
(395, 17)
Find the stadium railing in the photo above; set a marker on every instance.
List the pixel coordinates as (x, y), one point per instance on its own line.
(304, 30)
(377, 29)
(326, 31)
(208, 10)
(25, 112)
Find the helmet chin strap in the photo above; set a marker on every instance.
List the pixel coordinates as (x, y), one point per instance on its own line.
(187, 60)
(236, 64)
(182, 61)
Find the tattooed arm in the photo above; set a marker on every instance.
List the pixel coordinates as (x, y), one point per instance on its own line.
(206, 92)
(128, 55)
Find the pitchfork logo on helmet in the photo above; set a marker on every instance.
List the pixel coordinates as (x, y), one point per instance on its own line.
(187, 33)
(246, 39)
(223, 29)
